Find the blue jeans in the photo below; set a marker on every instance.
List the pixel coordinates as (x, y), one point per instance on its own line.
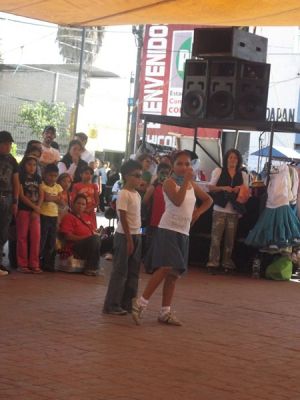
(5, 219)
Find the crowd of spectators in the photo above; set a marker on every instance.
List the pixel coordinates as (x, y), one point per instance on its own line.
(39, 196)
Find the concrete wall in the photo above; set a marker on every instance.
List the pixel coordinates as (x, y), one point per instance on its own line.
(19, 87)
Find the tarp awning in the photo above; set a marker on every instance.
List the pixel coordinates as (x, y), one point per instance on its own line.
(278, 152)
(196, 12)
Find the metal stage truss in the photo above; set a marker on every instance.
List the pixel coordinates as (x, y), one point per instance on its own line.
(235, 125)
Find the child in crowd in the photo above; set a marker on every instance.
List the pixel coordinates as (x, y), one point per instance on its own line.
(115, 191)
(49, 213)
(65, 181)
(96, 177)
(154, 200)
(112, 177)
(34, 148)
(9, 190)
(146, 162)
(103, 181)
(90, 190)
(171, 243)
(127, 244)
(28, 218)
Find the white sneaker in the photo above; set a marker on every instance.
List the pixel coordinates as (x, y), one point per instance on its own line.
(3, 273)
(169, 319)
(108, 257)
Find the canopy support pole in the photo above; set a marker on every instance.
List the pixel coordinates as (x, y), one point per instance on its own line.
(79, 80)
(270, 154)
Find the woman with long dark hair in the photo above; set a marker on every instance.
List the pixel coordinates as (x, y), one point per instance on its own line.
(225, 184)
(71, 162)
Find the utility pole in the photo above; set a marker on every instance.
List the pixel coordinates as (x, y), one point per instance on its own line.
(138, 32)
(129, 106)
(79, 80)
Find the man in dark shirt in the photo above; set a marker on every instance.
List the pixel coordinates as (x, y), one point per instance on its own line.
(9, 190)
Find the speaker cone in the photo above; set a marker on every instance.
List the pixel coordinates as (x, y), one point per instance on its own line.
(221, 104)
(251, 107)
(193, 103)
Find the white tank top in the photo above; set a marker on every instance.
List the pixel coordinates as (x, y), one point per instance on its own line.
(176, 218)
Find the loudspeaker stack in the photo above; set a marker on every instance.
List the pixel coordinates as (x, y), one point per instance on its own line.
(227, 78)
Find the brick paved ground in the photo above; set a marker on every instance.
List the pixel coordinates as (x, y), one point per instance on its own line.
(240, 341)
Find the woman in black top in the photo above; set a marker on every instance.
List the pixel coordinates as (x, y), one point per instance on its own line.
(225, 185)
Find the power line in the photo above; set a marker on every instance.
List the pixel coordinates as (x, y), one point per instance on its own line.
(285, 80)
(45, 70)
(49, 25)
(28, 43)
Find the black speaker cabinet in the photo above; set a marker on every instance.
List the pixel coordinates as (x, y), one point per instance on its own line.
(195, 89)
(222, 88)
(225, 89)
(229, 42)
(238, 89)
(252, 91)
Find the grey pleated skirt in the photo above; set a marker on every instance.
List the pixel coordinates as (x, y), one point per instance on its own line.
(170, 249)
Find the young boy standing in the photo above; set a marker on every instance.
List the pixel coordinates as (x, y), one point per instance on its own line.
(49, 214)
(9, 190)
(123, 283)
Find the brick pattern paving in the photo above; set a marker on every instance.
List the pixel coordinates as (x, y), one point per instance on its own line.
(240, 341)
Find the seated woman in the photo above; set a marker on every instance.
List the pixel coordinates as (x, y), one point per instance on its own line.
(71, 162)
(81, 238)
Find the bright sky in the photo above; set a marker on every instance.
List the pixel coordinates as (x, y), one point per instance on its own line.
(26, 41)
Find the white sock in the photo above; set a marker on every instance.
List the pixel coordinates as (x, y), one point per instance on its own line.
(142, 302)
(165, 310)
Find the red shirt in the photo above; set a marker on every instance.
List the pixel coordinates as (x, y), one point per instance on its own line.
(70, 224)
(89, 190)
(158, 205)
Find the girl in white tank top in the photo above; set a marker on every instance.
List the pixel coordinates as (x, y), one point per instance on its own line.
(178, 218)
(170, 253)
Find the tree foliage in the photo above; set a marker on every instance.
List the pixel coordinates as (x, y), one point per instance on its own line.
(13, 150)
(37, 115)
(69, 41)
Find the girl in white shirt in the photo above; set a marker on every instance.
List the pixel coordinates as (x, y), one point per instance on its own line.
(171, 244)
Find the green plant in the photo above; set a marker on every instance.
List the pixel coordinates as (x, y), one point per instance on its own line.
(13, 150)
(37, 115)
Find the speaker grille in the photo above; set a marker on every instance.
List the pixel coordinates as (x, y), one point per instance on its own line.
(221, 104)
(193, 103)
(251, 106)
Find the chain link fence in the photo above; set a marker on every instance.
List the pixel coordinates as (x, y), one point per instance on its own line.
(21, 85)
